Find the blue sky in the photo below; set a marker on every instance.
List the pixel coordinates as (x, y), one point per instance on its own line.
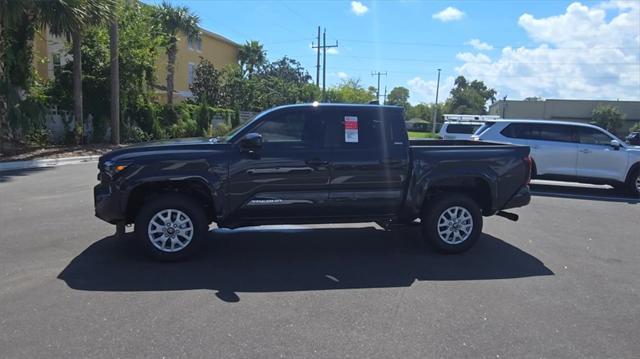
(553, 49)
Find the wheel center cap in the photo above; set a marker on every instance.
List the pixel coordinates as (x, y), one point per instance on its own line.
(170, 230)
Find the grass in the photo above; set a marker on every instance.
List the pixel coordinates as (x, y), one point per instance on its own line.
(413, 134)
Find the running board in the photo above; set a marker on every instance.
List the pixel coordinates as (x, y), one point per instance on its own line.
(510, 216)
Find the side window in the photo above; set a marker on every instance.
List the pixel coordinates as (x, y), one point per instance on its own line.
(371, 131)
(516, 130)
(592, 136)
(292, 127)
(539, 131)
(462, 129)
(558, 133)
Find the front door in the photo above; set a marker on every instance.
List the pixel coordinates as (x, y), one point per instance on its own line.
(286, 178)
(597, 158)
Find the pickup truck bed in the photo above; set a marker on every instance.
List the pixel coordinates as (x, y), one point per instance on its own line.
(310, 163)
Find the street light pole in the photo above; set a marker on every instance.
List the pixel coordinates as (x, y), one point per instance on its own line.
(435, 107)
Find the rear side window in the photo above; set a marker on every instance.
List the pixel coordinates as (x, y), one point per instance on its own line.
(592, 136)
(539, 131)
(463, 129)
(370, 127)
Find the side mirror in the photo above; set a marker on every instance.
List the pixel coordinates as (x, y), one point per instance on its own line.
(615, 144)
(251, 142)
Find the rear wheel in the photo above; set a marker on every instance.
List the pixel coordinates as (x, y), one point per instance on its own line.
(171, 228)
(451, 223)
(634, 182)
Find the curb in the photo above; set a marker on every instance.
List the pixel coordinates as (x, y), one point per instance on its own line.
(48, 162)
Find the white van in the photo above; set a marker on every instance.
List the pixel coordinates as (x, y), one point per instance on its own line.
(570, 151)
(461, 127)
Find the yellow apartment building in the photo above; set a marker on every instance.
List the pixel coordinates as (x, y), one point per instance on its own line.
(50, 52)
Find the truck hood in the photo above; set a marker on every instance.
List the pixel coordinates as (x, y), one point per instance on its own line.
(162, 147)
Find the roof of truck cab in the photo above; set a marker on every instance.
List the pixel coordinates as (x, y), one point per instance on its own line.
(338, 105)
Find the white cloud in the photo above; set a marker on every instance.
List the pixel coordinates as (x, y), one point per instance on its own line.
(469, 57)
(358, 8)
(342, 75)
(479, 45)
(448, 14)
(584, 53)
(425, 90)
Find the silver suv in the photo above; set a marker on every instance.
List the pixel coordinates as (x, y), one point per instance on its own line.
(570, 151)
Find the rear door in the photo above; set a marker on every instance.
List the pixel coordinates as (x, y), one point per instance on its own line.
(369, 160)
(597, 158)
(288, 176)
(554, 147)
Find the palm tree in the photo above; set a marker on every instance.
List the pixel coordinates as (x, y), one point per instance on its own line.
(173, 20)
(69, 18)
(252, 57)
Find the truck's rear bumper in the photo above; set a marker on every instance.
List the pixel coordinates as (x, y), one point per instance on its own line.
(107, 203)
(520, 199)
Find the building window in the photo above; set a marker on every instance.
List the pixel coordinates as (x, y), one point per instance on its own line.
(195, 43)
(192, 71)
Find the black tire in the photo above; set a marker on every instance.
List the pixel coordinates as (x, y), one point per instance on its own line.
(632, 183)
(436, 207)
(177, 203)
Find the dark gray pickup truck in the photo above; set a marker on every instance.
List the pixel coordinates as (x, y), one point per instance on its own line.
(311, 163)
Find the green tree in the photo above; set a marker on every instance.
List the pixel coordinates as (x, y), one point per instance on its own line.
(206, 86)
(469, 98)
(608, 117)
(252, 57)
(399, 96)
(422, 111)
(139, 43)
(349, 91)
(173, 20)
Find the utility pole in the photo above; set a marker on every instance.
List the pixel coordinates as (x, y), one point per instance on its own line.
(378, 88)
(435, 107)
(384, 102)
(324, 63)
(318, 60)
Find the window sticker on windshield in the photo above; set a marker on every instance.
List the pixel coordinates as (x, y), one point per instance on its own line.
(351, 129)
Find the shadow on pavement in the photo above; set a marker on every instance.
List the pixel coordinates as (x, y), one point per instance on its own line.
(265, 260)
(586, 193)
(7, 176)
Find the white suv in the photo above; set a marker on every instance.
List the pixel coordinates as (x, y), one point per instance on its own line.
(570, 151)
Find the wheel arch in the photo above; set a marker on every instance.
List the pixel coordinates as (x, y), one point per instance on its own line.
(195, 188)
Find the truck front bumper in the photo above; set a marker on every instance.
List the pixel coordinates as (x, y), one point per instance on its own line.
(107, 203)
(520, 199)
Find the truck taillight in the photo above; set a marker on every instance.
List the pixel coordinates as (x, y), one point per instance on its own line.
(528, 161)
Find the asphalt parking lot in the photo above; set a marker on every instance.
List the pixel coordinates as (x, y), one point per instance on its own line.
(564, 281)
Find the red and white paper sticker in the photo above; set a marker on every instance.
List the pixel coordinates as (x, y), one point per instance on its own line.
(351, 129)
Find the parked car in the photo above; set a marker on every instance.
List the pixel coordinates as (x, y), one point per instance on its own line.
(310, 163)
(462, 127)
(570, 151)
(633, 138)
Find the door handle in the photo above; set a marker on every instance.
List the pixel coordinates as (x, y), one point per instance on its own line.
(585, 150)
(316, 162)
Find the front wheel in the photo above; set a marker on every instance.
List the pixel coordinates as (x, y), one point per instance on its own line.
(451, 223)
(171, 227)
